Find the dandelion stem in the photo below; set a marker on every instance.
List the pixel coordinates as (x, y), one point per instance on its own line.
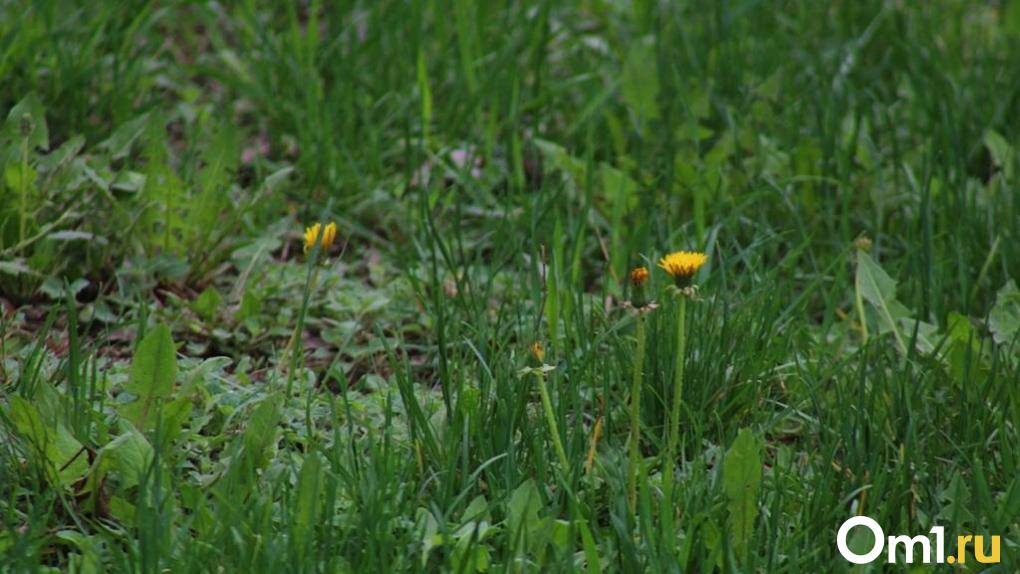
(674, 418)
(23, 184)
(635, 415)
(294, 347)
(550, 419)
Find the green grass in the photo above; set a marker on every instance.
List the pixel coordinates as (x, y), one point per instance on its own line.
(179, 395)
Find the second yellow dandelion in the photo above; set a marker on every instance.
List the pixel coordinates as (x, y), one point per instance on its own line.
(325, 236)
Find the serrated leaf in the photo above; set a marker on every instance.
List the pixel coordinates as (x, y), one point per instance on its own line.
(874, 286)
(119, 143)
(741, 480)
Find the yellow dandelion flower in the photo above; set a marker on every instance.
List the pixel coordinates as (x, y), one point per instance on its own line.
(311, 236)
(638, 276)
(326, 236)
(682, 265)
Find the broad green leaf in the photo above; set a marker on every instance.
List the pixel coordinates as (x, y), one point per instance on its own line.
(307, 502)
(741, 479)
(591, 549)
(174, 414)
(1004, 318)
(65, 461)
(129, 454)
(428, 528)
(640, 80)
(153, 372)
(875, 286)
(477, 510)
(522, 513)
(17, 177)
(91, 548)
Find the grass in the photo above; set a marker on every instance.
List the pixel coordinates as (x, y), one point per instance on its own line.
(182, 386)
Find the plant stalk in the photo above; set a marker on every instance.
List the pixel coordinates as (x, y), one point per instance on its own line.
(673, 439)
(550, 419)
(635, 415)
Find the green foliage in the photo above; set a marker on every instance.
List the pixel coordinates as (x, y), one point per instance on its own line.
(62, 455)
(181, 388)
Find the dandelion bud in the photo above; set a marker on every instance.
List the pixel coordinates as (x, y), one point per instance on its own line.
(863, 243)
(538, 352)
(638, 278)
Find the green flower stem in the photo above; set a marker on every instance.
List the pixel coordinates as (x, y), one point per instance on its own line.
(550, 419)
(23, 184)
(294, 347)
(635, 415)
(674, 418)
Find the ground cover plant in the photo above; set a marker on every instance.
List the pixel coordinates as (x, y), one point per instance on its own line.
(530, 286)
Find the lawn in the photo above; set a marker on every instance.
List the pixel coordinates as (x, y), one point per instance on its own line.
(456, 286)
